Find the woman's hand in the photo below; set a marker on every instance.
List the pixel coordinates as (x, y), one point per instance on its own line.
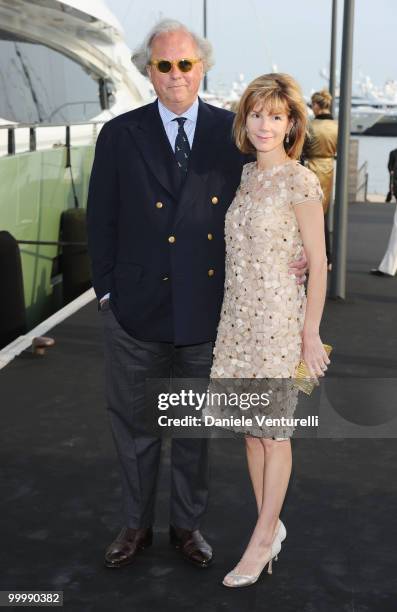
(314, 355)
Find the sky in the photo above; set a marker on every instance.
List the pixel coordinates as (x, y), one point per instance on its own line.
(252, 37)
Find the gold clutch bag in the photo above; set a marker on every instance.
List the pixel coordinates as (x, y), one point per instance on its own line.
(303, 380)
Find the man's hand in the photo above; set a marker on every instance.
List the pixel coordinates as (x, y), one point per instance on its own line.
(299, 268)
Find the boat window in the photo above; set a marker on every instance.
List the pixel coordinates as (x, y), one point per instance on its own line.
(38, 84)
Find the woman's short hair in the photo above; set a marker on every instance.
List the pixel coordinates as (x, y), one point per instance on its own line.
(323, 98)
(142, 54)
(276, 92)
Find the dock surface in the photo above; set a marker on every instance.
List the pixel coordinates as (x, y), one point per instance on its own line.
(61, 506)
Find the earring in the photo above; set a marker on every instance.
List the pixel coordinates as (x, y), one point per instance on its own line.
(287, 138)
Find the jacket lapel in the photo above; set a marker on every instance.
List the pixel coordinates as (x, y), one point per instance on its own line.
(201, 160)
(152, 140)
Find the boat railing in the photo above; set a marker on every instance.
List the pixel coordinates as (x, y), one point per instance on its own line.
(56, 136)
(362, 183)
(52, 243)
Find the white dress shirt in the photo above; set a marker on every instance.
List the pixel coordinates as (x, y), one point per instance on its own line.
(171, 126)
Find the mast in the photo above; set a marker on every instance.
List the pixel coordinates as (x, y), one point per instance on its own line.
(205, 36)
(333, 54)
(339, 243)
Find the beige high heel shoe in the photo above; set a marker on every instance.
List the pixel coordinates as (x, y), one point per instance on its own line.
(234, 579)
(281, 532)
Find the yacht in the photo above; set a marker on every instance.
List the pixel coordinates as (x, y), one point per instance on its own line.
(364, 116)
(63, 62)
(65, 69)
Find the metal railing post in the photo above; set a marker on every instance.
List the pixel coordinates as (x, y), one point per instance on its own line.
(11, 141)
(32, 139)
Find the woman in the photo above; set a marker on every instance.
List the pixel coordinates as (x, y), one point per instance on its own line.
(320, 148)
(388, 265)
(265, 324)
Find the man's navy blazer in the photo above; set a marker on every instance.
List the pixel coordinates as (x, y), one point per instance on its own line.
(156, 240)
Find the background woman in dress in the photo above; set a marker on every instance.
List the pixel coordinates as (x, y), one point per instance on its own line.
(266, 325)
(320, 149)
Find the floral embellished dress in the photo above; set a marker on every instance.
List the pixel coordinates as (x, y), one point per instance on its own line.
(262, 316)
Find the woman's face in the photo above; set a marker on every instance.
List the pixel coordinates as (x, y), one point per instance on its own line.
(266, 129)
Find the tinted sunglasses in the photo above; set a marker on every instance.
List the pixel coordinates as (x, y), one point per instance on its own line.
(184, 65)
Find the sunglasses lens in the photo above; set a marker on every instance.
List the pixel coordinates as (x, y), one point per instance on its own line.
(164, 66)
(185, 65)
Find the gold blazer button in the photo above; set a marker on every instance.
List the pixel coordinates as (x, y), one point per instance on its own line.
(214, 200)
(159, 205)
(209, 236)
(211, 272)
(171, 239)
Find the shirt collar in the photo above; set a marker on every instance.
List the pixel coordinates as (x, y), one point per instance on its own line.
(167, 116)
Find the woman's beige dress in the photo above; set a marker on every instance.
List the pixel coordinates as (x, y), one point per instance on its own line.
(259, 333)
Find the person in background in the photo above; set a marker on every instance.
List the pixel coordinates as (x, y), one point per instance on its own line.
(320, 150)
(388, 265)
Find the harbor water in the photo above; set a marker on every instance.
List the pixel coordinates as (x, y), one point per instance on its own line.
(375, 151)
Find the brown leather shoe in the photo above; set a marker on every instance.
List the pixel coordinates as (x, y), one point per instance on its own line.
(126, 546)
(192, 545)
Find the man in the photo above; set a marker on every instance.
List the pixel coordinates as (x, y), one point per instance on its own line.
(388, 265)
(162, 180)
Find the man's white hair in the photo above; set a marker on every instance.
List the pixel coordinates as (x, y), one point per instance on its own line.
(142, 54)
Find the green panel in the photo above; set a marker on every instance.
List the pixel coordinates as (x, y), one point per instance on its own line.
(35, 188)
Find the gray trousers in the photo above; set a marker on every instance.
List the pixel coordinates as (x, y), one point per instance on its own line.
(128, 362)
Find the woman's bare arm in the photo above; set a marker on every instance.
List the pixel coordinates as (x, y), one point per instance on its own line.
(310, 219)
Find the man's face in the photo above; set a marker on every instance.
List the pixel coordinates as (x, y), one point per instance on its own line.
(176, 90)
